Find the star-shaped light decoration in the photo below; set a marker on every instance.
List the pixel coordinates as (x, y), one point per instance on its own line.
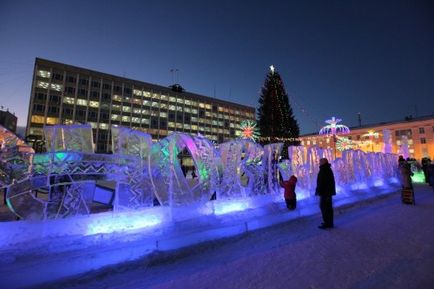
(249, 130)
(343, 144)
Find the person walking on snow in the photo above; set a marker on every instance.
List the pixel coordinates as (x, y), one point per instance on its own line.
(290, 196)
(325, 189)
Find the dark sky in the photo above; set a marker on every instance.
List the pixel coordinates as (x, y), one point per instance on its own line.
(336, 58)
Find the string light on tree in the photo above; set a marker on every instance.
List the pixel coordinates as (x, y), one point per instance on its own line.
(276, 119)
(249, 130)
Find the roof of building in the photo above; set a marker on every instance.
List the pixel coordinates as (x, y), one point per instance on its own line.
(168, 90)
(407, 119)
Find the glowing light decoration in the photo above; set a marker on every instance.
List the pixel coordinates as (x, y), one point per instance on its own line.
(249, 130)
(333, 128)
(343, 144)
(371, 134)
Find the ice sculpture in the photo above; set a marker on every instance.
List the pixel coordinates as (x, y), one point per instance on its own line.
(171, 186)
(69, 138)
(230, 156)
(136, 190)
(387, 140)
(62, 182)
(269, 161)
(403, 148)
(15, 158)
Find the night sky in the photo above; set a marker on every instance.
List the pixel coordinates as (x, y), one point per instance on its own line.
(336, 58)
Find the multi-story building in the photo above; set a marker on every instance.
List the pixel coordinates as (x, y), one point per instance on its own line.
(65, 94)
(8, 120)
(418, 133)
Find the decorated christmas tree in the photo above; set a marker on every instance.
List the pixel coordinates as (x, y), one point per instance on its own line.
(275, 117)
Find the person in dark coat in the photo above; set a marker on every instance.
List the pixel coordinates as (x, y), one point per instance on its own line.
(290, 196)
(430, 170)
(326, 189)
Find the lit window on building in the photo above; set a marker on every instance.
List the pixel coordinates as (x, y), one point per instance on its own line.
(179, 100)
(103, 126)
(68, 100)
(171, 124)
(146, 94)
(37, 119)
(44, 73)
(68, 121)
(116, 107)
(398, 142)
(207, 113)
(186, 109)
(178, 125)
(164, 97)
(179, 108)
(163, 106)
(237, 132)
(42, 84)
(411, 151)
(136, 101)
(156, 96)
(172, 99)
(56, 87)
(93, 124)
(194, 127)
(126, 118)
(117, 97)
(202, 105)
(82, 102)
(137, 110)
(145, 121)
(410, 141)
(172, 107)
(126, 108)
(116, 117)
(154, 104)
(52, 120)
(145, 111)
(146, 102)
(137, 92)
(135, 119)
(187, 102)
(163, 114)
(93, 103)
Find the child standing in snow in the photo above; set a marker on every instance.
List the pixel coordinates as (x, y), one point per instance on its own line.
(290, 196)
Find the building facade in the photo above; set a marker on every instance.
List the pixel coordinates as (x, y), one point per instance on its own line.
(8, 120)
(65, 94)
(418, 133)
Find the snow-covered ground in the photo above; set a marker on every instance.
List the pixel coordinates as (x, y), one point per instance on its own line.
(380, 243)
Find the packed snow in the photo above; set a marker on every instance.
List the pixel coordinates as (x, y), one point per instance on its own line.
(378, 243)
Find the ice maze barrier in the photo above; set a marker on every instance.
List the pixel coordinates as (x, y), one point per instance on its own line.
(171, 185)
(15, 158)
(63, 181)
(356, 170)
